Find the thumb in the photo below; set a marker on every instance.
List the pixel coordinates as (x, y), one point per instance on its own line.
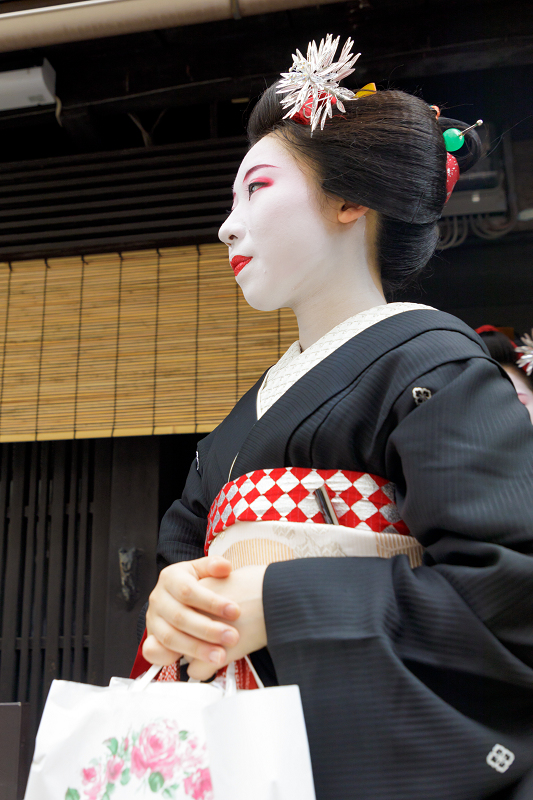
(212, 567)
(156, 653)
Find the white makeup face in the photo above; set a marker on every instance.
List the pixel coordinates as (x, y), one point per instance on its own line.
(280, 225)
(523, 389)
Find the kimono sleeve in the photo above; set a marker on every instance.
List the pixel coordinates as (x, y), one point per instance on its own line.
(182, 533)
(418, 673)
(181, 538)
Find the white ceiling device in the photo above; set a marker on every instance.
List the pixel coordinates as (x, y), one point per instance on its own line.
(21, 88)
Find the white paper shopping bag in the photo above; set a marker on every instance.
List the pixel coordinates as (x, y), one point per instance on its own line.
(260, 737)
(134, 740)
(119, 742)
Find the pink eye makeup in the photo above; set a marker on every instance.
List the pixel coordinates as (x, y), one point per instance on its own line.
(254, 186)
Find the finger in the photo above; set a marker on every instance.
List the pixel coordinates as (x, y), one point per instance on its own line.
(179, 617)
(200, 671)
(212, 567)
(179, 642)
(187, 590)
(155, 653)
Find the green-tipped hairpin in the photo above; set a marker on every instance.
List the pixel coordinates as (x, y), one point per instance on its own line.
(453, 137)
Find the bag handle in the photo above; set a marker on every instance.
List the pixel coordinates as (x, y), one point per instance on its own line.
(231, 684)
(142, 682)
(258, 680)
(230, 687)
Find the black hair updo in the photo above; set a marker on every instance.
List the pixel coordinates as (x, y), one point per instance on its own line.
(386, 152)
(502, 350)
(500, 347)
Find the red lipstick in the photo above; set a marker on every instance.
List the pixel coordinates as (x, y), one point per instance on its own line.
(239, 262)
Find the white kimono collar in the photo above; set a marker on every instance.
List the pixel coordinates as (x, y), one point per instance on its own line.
(293, 364)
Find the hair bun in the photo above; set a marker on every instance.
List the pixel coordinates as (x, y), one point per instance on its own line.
(471, 151)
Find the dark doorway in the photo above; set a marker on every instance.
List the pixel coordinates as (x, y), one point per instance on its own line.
(77, 555)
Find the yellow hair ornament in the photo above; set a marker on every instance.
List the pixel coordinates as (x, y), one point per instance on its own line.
(367, 90)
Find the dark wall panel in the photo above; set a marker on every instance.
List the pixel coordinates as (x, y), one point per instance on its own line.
(67, 609)
(132, 536)
(482, 283)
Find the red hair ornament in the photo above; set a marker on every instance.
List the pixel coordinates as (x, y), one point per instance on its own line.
(303, 116)
(452, 174)
(491, 329)
(453, 140)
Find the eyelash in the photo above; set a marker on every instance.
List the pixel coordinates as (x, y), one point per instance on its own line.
(250, 193)
(255, 183)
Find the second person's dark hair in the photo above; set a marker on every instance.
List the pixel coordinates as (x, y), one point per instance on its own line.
(500, 347)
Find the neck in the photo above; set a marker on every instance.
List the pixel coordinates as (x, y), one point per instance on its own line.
(349, 286)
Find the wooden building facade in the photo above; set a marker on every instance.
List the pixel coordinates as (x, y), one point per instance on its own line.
(112, 365)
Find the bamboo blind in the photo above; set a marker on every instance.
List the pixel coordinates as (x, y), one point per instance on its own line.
(131, 344)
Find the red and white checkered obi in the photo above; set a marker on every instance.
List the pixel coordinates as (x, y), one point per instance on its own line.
(273, 515)
(361, 501)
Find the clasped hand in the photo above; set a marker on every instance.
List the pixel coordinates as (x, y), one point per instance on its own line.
(207, 612)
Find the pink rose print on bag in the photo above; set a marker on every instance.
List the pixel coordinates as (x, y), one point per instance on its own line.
(157, 746)
(199, 786)
(138, 764)
(93, 779)
(166, 761)
(114, 769)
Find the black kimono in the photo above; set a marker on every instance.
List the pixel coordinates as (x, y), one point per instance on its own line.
(417, 684)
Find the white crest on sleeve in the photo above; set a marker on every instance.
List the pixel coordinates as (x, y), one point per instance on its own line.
(500, 758)
(421, 394)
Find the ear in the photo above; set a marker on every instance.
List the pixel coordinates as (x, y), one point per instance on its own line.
(350, 212)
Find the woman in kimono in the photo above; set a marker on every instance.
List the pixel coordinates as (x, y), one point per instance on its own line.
(416, 681)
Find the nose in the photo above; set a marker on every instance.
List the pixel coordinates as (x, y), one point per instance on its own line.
(232, 229)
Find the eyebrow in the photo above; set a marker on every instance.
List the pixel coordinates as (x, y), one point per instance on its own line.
(258, 166)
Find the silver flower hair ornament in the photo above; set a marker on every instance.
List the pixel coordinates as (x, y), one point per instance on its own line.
(313, 82)
(526, 359)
